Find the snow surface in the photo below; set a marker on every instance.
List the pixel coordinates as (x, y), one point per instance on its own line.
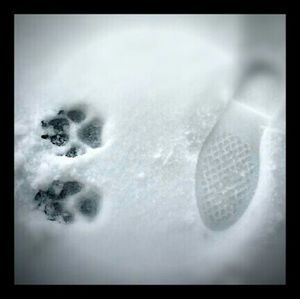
(160, 83)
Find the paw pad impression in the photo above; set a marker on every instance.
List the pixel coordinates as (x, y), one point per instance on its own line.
(62, 201)
(87, 132)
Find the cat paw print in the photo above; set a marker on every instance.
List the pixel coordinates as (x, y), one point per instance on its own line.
(64, 201)
(73, 130)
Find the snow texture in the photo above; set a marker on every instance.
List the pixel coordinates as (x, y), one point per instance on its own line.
(157, 85)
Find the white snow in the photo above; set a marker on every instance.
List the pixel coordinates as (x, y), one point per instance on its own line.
(160, 85)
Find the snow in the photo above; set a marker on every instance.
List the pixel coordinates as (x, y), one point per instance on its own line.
(160, 86)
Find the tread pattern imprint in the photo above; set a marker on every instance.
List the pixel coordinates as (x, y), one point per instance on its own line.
(226, 181)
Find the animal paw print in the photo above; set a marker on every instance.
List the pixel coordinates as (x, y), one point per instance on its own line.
(64, 201)
(73, 130)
